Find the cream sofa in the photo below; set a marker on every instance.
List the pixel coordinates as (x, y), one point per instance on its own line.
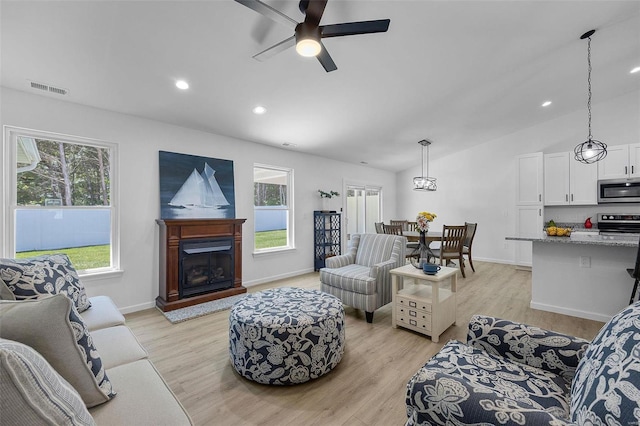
(141, 395)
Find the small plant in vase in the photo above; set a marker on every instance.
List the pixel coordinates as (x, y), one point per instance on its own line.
(325, 196)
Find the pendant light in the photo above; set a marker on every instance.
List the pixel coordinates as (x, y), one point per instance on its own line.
(424, 182)
(591, 150)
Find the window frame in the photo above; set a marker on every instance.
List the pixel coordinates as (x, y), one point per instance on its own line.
(8, 159)
(289, 208)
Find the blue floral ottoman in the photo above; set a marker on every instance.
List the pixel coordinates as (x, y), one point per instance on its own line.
(286, 336)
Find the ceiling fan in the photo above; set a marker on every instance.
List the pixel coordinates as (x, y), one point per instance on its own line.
(308, 34)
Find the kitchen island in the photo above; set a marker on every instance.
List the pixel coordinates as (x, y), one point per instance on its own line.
(583, 275)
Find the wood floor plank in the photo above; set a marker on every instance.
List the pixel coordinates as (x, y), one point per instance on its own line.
(366, 388)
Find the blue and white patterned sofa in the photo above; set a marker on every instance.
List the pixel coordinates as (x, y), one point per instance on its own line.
(360, 278)
(514, 374)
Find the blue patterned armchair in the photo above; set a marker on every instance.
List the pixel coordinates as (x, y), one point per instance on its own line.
(360, 278)
(515, 374)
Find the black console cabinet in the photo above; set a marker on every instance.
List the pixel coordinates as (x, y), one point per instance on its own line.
(327, 236)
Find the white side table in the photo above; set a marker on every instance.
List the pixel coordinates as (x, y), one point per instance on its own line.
(426, 306)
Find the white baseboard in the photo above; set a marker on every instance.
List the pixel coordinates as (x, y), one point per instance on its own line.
(571, 312)
(138, 307)
(264, 280)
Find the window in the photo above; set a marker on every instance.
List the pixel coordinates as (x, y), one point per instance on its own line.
(273, 208)
(363, 209)
(60, 193)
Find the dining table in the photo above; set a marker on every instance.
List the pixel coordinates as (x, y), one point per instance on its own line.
(414, 236)
(429, 237)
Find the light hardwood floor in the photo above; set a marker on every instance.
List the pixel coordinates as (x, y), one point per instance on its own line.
(366, 388)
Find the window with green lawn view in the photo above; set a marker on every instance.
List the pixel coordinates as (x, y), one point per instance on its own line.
(272, 200)
(62, 198)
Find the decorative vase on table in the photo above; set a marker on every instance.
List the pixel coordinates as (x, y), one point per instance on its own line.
(421, 253)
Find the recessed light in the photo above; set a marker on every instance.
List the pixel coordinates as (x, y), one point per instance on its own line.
(181, 84)
(259, 110)
(635, 70)
(546, 103)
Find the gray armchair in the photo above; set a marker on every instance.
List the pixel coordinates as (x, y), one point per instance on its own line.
(360, 278)
(514, 374)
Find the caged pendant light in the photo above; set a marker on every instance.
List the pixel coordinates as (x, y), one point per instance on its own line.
(424, 182)
(591, 150)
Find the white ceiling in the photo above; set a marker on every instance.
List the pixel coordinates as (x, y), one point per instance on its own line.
(457, 72)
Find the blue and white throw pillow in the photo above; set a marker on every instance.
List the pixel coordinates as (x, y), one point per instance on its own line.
(606, 388)
(32, 278)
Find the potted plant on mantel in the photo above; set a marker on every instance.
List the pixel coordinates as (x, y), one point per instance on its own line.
(325, 197)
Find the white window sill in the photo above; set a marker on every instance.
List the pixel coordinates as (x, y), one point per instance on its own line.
(88, 276)
(272, 252)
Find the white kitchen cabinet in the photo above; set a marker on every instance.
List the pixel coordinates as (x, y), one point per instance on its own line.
(622, 161)
(569, 182)
(529, 179)
(529, 203)
(530, 223)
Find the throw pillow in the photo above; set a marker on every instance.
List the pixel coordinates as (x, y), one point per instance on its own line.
(34, 277)
(34, 393)
(605, 388)
(53, 327)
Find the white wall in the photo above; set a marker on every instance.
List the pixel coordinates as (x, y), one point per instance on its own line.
(139, 141)
(477, 185)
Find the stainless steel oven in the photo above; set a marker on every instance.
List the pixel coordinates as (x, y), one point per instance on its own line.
(619, 223)
(619, 191)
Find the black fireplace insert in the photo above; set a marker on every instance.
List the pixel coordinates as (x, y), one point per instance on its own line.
(206, 266)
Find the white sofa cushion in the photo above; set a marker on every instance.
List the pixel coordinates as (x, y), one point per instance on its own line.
(33, 393)
(53, 327)
(117, 345)
(144, 399)
(103, 314)
(34, 277)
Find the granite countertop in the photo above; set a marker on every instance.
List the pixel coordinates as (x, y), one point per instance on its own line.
(591, 237)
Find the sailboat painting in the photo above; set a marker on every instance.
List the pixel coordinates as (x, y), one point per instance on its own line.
(193, 187)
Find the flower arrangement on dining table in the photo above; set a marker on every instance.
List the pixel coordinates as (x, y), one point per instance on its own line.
(423, 220)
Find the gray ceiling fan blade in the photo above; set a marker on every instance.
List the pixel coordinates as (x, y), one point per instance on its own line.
(354, 28)
(269, 12)
(325, 60)
(275, 49)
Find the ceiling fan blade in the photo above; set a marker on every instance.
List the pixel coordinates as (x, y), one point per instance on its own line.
(269, 12)
(354, 28)
(325, 60)
(315, 9)
(275, 49)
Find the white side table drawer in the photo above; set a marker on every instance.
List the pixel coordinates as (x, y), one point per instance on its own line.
(415, 319)
(411, 303)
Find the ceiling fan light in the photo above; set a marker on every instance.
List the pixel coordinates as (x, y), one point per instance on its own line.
(308, 47)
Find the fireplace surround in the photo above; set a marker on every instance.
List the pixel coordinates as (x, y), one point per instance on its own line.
(200, 260)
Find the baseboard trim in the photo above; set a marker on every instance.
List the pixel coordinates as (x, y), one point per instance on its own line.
(138, 307)
(571, 312)
(276, 277)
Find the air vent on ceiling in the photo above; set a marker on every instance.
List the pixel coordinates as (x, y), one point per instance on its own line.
(47, 88)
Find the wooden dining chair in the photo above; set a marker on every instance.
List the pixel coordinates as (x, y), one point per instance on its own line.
(392, 229)
(379, 227)
(635, 273)
(412, 226)
(468, 241)
(451, 245)
(402, 223)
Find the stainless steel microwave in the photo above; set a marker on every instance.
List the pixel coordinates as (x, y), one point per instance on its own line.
(619, 191)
